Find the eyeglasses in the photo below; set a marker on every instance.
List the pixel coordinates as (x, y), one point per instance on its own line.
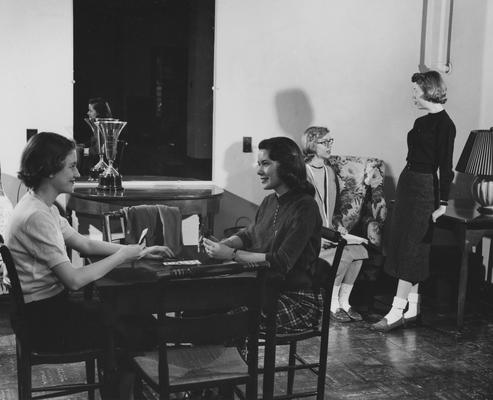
(326, 142)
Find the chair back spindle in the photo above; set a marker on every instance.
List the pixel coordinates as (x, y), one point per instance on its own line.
(324, 275)
(27, 357)
(214, 308)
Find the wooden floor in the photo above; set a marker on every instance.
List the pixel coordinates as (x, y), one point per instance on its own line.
(433, 361)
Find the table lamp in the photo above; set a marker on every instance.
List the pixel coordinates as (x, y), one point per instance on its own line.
(477, 159)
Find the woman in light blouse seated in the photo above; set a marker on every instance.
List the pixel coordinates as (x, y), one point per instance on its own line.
(286, 232)
(316, 144)
(37, 237)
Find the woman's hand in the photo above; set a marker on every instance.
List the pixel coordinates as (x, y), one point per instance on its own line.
(438, 213)
(131, 252)
(157, 252)
(342, 230)
(217, 250)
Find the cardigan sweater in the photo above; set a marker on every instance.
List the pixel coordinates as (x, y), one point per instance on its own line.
(288, 230)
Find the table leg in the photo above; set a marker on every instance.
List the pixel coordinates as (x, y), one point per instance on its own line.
(209, 222)
(461, 235)
(489, 266)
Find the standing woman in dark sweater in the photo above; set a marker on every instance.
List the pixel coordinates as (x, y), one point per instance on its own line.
(286, 232)
(421, 197)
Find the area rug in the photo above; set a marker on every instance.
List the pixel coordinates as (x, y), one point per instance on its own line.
(67, 373)
(43, 375)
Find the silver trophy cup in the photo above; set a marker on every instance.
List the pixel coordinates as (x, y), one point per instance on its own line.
(110, 130)
(101, 165)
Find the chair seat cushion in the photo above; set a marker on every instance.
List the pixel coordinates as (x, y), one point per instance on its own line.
(198, 364)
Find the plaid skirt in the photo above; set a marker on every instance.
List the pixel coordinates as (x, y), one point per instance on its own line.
(297, 311)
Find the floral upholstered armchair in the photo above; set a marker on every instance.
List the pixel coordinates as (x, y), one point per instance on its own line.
(361, 207)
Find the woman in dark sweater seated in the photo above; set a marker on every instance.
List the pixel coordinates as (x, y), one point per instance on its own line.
(286, 233)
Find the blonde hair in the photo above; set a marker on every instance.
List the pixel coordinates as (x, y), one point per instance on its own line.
(432, 85)
(309, 140)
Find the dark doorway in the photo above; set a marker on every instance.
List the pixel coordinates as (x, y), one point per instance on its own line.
(152, 60)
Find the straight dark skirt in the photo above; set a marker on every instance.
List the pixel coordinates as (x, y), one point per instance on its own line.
(411, 227)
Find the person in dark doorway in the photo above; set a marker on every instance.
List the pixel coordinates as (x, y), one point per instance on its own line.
(316, 144)
(286, 232)
(98, 108)
(37, 237)
(421, 198)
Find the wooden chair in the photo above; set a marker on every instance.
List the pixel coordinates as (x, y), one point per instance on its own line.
(116, 226)
(110, 233)
(211, 360)
(325, 275)
(27, 356)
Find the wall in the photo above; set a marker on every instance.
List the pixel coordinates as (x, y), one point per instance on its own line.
(486, 117)
(283, 65)
(35, 73)
(280, 65)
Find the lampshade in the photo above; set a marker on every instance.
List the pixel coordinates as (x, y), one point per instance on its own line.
(477, 159)
(477, 156)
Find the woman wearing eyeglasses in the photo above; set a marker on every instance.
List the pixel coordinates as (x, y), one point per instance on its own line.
(421, 198)
(316, 144)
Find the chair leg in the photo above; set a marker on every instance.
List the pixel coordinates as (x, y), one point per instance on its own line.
(90, 377)
(322, 369)
(138, 388)
(269, 368)
(100, 370)
(24, 383)
(292, 363)
(227, 392)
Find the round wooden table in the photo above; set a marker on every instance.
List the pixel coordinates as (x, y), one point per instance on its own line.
(190, 197)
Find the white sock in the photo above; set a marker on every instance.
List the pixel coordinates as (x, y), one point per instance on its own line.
(344, 294)
(395, 312)
(334, 303)
(414, 300)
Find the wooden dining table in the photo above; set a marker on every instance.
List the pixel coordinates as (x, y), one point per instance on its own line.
(468, 227)
(190, 197)
(132, 289)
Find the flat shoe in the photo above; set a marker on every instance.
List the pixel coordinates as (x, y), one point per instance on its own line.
(416, 320)
(354, 315)
(340, 315)
(384, 326)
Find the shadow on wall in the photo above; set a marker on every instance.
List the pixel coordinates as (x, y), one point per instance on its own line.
(294, 112)
(235, 212)
(241, 174)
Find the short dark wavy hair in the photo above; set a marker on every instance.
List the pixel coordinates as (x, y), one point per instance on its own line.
(43, 156)
(433, 86)
(101, 107)
(292, 169)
